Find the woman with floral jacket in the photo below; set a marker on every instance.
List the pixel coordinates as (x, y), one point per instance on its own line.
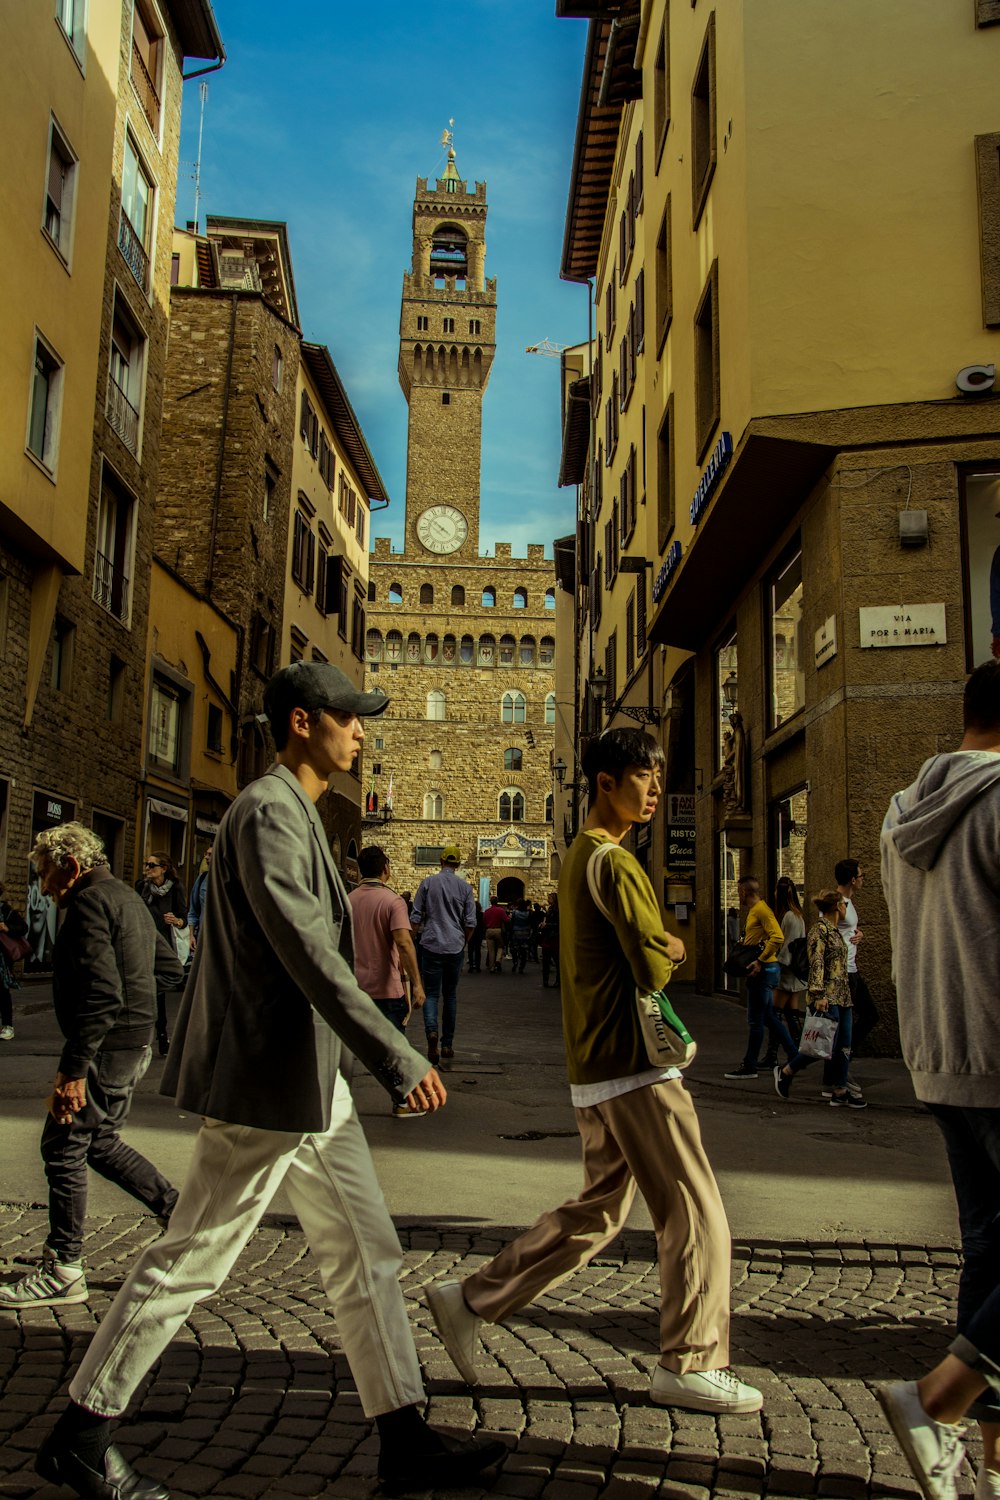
(830, 995)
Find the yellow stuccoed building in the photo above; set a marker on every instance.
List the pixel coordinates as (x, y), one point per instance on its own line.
(789, 492)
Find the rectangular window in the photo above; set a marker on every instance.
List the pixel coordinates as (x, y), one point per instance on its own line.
(639, 171)
(358, 627)
(63, 642)
(703, 144)
(135, 227)
(788, 668)
(623, 223)
(343, 584)
(305, 417)
(449, 325)
(125, 375)
(611, 668)
(303, 553)
(262, 645)
(666, 514)
(165, 711)
(116, 690)
(359, 528)
(147, 63)
(596, 596)
(706, 363)
(113, 558)
(630, 635)
(45, 404)
(423, 323)
(60, 184)
(72, 17)
(213, 730)
(661, 86)
(475, 327)
(609, 308)
(639, 321)
(726, 693)
(988, 175)
(664, 284)
(640, 615)
(323, 554)
(175, 270)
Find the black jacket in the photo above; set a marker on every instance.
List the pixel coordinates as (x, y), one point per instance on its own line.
(160, 902)
(107, 963)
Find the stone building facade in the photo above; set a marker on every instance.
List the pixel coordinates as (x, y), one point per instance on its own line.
(462, 641)
(92, 120)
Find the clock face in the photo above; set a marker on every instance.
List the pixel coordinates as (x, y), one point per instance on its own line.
(442, 528)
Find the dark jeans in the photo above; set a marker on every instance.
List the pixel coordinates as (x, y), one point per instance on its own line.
(972, 1140)
(550, 961)
(838, 1066)
(6, 1007)
(761, 1015)
(395, 1011)
(92, 1140)
(519, 955)
(475, 955)
(441, 973)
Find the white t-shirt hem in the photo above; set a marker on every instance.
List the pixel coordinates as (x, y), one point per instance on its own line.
(584, 1094)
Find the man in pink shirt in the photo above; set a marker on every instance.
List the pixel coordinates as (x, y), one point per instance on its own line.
(384, 950)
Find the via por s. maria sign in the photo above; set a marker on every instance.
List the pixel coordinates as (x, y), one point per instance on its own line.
(903, 625)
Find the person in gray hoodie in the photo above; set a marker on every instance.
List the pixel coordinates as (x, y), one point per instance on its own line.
(941, 879)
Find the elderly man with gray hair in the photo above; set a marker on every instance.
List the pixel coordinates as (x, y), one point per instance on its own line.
(107, 963)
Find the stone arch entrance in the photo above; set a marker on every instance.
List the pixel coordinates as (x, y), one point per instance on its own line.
(511, 888)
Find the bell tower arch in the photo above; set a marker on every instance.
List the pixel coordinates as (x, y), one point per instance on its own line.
(447, 339)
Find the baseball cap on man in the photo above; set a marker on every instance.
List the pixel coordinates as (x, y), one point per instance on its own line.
(451, 854)
(318, 684)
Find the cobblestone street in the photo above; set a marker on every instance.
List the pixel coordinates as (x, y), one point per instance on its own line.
(255, 1400)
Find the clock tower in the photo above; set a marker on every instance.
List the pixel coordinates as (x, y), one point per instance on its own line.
(447, 338)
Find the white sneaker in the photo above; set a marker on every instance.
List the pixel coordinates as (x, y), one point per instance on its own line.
(987, 1484)
(51, 1284)
(458, 1326)
(703, 1390)
(933, 1450)
(6, 1033)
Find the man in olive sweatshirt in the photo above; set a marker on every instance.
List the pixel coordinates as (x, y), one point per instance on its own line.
(637, 1122)
(941, 878)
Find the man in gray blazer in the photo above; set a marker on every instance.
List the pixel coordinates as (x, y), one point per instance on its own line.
(270, 1016)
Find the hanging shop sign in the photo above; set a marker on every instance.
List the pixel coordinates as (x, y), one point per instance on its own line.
(680, 809)
(714, 470)
(680, 848)
(903, 625)
(666, 572)
(825, 641)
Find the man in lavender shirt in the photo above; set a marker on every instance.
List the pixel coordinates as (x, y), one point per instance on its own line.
(384, 950)
(444, 912)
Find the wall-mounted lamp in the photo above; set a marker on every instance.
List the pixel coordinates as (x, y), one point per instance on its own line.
(559, 770)
(731, 689)
(598, 685)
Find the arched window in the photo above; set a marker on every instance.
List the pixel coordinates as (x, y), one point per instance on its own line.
(527, 653)
(449, 252)
(467, 651)
(394, 645)
(395, 593)
(371, 591)
(413, 647)
(550, 708)
(512, 759)
(508, 646)
(520, 598)
(433, 806)
(457, 594)
(435, 705)
(427, 593)
(431, 648)
(487, 651)
(548, 808)
(449, 651)
(435, 760)
(489, 596)
(510, 808)
(512, 708)
(550, 598)
(546, 651)
(373, 645)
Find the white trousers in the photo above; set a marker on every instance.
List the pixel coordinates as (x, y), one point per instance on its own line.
(235, 1173)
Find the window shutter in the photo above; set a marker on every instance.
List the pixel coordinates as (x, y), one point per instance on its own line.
(304, 417)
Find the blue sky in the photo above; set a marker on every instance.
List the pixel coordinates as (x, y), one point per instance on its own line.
(324, 115)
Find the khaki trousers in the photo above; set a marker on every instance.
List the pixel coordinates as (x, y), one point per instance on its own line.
(234, 1174)
(647, 1139)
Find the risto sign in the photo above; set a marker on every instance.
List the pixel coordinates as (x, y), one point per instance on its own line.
(714, 470)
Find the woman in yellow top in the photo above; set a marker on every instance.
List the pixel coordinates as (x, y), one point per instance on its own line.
(761, 927)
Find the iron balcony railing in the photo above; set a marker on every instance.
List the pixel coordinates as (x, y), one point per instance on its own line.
(123, 416)
(111, 587)
(146, 89)
(133, 249)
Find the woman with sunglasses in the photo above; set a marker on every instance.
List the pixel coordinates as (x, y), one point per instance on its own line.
(167, 900)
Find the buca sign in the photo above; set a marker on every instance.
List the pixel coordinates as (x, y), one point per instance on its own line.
(714, 470)
(665, 574)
